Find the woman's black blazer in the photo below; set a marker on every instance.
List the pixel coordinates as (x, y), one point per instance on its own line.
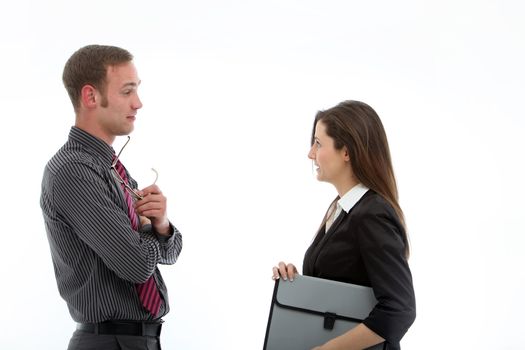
(366, 246)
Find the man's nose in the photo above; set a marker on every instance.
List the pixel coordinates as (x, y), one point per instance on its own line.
(137, 103)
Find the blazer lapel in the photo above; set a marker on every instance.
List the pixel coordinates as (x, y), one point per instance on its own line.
(327, 237)
(336, 222)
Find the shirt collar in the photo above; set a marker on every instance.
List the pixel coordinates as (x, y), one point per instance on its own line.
(101, 148)
(351, 197)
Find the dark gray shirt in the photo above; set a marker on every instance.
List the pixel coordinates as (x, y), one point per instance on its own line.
(97, 257)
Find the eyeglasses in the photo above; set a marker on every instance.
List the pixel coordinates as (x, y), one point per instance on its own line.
(133, 192)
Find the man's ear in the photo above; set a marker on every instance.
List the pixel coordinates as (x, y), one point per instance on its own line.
(88, 96)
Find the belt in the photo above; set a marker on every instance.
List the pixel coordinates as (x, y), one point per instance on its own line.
(137, 328)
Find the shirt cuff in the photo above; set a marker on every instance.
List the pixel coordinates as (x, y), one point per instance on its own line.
(148, 228)
(164, 238)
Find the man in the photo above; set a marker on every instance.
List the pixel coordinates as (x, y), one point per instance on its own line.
(106, 237)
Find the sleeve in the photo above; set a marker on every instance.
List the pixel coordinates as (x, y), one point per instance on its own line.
(383, 252)
(170, 246)
(86, 202)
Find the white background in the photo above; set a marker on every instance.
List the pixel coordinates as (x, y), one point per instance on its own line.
(230, 90)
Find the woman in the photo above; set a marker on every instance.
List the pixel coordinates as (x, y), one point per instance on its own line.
(362, 238)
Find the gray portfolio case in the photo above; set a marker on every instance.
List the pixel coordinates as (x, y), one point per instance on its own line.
(310, 311)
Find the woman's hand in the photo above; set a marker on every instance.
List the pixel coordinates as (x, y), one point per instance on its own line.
(286, 271)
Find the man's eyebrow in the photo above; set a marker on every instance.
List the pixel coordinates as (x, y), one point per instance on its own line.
(131, 84)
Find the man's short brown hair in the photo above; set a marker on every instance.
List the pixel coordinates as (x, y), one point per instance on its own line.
(88, 66)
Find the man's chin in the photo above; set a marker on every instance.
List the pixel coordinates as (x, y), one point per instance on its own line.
(126, 132)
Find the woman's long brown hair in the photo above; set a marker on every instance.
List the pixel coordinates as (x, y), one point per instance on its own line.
(356, 126)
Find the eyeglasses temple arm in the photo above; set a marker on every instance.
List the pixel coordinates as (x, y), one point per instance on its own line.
(118, 155)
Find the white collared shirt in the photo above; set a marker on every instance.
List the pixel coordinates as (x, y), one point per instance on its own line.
(347, 202)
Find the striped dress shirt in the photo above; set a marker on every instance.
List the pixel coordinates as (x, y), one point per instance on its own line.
(97, 257)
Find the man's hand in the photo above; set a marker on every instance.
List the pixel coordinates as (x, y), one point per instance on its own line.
(153, 206)
(144, 221)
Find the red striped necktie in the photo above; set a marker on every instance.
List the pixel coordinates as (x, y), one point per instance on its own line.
(148, 292)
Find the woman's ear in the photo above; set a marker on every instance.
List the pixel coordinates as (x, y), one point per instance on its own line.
(346, 154)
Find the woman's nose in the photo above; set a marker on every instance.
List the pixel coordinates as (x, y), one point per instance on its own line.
(311, 154)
